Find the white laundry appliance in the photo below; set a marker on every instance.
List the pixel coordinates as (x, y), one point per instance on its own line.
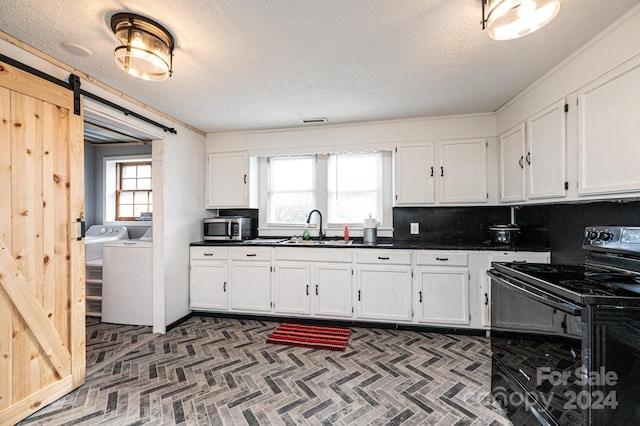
(127, 281)
(94, 240)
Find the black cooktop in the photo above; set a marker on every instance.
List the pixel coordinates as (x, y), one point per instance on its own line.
(580, 284)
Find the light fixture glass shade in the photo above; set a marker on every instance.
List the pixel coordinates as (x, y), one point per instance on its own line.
(144, 48)
(509, 19)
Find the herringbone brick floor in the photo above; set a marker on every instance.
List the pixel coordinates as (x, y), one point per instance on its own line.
(220, 371)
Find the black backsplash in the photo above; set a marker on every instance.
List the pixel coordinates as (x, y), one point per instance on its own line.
(557, 226)
(448, 225)
(565, 224)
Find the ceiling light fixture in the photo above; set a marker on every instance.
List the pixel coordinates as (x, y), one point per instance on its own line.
(144, 48)
(509, 19)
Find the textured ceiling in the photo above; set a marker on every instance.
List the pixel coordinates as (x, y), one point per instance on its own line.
(260, 64)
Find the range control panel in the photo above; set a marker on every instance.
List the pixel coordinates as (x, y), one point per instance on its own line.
(614, 238)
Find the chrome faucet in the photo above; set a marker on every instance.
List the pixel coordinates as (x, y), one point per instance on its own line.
(309, 220)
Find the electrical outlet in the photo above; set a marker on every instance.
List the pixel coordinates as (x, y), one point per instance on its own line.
(415, 228)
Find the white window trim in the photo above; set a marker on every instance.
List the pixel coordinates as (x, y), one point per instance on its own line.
(385, 228)
(110, 185)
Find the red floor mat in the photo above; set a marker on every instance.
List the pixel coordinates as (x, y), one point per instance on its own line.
(311, 336)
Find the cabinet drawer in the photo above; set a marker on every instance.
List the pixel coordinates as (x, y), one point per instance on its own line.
(251, 253)
(386, 257)
(209, 253)
(314, 254)
(441, 258)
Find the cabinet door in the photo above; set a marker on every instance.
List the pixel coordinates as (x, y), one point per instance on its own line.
(292, 288)
(463, 171)
(384, 292)
(415, 175)
(443, 295)
(333, 290)
(250, 286)
(227, 177)
(546, 157)
(208, 285)
(608, 132)
(512, 147)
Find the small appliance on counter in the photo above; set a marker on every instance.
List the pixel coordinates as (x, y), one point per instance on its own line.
(504, 234)
(370, 231)
(228, 228)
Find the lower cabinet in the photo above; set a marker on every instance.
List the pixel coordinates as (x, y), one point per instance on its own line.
(250, 281)
(442, 288)
(208, 280)
(384, 285)
(209, 285)
(443, 295)
(321, 287)
(423, 287)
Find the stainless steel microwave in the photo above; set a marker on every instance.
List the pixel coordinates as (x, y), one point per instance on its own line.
(227, 228)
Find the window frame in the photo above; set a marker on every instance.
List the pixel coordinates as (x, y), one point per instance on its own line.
(119, 191)
(110, 186)
(321, 167)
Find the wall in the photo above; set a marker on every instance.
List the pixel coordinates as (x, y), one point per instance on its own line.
(89, 185)
(564, 224)
(337, 138)
(95, 193)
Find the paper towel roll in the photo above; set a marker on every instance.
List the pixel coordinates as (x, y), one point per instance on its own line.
(370, 223)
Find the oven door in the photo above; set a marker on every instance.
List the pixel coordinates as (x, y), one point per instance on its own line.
(536, 340)
(613, 365)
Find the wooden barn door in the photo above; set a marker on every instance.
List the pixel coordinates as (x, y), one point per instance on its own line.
(42, 301)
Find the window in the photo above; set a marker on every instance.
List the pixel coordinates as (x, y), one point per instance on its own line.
(354, 187)
(346, 188)
(291, 189)
(133, 196)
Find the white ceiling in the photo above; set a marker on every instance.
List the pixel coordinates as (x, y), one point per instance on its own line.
(261, 64)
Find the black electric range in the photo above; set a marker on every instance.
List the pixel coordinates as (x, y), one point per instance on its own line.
(565, 339)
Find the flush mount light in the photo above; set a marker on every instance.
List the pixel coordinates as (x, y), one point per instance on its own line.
(509, 19)
(144, 48)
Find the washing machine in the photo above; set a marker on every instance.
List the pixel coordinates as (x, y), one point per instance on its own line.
(127, 281)
(97, 235)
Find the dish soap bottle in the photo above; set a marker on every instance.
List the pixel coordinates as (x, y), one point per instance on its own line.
(346, 233)
(305, 234)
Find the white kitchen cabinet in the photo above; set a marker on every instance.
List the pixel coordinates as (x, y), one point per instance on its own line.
(291, 288)
(208, 282)
(333, 290)
(313, 281)
(384, 285)
(463, 171)
(533, 163)
(456, 175)
(608, 130)
(415, 174)
(250, 281)
(512, 146)
(442, 288)
(545, 160)
(228, 183)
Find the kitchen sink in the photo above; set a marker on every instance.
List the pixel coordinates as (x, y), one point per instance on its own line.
(301, 242)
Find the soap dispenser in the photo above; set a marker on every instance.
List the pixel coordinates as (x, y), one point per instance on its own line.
(305, 234)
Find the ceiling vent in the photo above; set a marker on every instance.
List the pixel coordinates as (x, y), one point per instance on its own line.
(317, 120)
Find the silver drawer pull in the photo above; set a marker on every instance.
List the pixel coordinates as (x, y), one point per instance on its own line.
(382, 258)
(442, 259)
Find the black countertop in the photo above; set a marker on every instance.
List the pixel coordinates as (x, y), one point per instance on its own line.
(383, 243)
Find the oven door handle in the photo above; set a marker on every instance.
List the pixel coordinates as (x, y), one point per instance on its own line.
(567, 307)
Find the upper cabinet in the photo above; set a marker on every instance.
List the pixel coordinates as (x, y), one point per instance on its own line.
(456, 175)
(533, 157)
(608, 148)
(229, 182)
